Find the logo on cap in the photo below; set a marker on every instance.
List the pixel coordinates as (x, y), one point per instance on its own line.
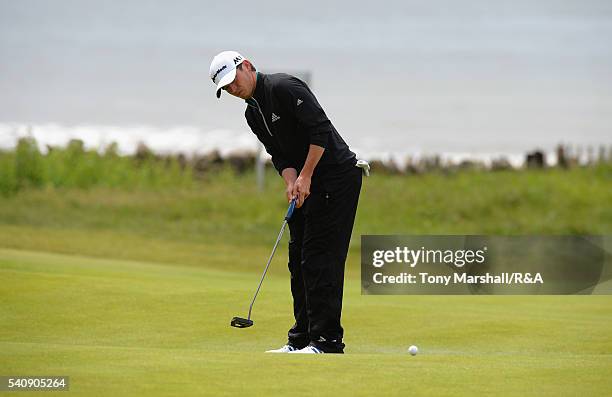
(217, 72)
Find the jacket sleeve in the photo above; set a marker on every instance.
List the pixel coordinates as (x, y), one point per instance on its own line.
(297, 98)
(278, 160)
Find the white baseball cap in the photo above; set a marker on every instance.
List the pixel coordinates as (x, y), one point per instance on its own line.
(223, 68)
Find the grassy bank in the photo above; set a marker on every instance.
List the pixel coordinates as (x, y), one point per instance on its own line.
(179, 224)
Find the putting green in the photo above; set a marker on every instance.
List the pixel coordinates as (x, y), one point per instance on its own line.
(134, 328)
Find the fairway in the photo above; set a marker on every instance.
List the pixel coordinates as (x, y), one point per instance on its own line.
(136, 328)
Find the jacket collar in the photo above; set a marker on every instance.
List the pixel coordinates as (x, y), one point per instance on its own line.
(258, 94)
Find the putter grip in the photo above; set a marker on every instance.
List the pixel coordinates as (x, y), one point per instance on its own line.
(290, 210)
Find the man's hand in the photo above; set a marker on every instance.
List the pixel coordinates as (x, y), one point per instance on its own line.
(290, 176)
(301, 186)
(301, 189)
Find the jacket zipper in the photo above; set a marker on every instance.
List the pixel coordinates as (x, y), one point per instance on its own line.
(262, 116)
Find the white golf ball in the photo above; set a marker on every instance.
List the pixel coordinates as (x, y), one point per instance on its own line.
(413, 350)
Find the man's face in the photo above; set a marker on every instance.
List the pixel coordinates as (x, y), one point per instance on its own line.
(243, 85)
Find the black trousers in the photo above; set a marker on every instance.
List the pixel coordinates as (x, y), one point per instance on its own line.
(320, 235)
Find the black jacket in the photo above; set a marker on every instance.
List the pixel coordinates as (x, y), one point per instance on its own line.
(287, 118)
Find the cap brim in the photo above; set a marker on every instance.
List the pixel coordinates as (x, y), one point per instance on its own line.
(225, 80)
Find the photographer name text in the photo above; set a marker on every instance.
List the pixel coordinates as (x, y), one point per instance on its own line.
(458, 278)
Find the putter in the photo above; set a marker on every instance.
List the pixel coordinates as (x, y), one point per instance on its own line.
(240, 322)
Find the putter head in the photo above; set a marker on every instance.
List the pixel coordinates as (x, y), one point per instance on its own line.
(240, 322)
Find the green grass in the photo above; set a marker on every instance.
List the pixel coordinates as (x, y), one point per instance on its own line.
(136, 328)
(130, 292)
(229, 210)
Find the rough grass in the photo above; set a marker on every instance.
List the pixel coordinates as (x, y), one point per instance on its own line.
(229, 209)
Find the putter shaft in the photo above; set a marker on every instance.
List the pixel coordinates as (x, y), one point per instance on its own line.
(278, 239)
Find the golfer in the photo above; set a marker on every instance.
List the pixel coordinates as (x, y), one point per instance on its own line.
(320, 172)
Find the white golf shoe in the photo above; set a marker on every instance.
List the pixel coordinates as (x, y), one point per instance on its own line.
(284, 349)
(308, 350)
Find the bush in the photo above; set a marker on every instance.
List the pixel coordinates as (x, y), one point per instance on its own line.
(76, 167)
(28, 164)
(8, 177)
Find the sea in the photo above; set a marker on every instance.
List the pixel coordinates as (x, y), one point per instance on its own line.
(398, 79)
